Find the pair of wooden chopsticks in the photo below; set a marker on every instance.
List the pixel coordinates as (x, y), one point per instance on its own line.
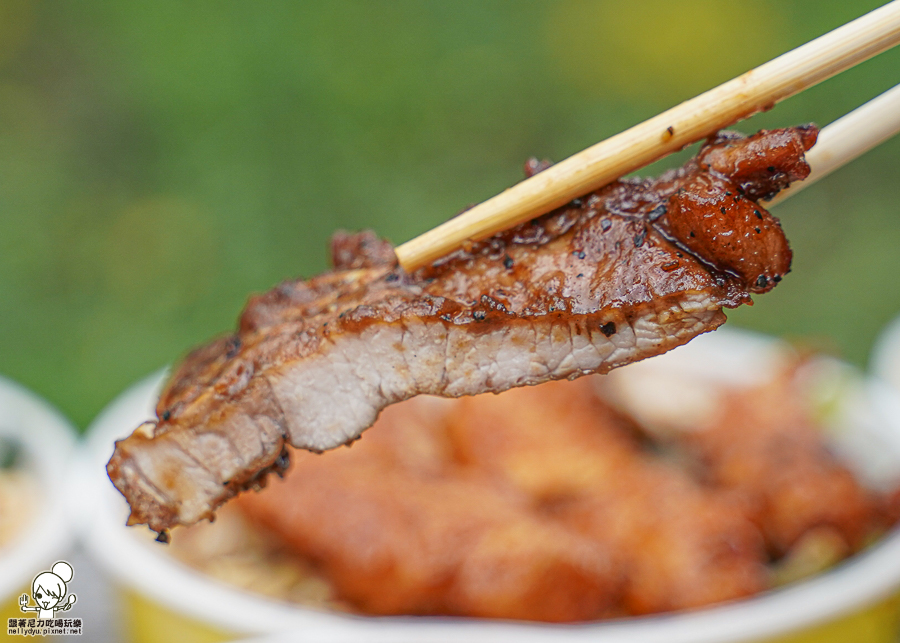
(691, 121)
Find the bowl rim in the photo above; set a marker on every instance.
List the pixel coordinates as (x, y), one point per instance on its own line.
(863, 580)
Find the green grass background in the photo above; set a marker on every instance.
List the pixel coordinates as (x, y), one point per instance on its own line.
(160, 161)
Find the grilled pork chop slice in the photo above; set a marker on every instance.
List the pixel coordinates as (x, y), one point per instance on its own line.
(627, 272)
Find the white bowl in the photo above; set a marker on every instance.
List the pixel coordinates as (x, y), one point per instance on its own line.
(853, 595)
(48, 445)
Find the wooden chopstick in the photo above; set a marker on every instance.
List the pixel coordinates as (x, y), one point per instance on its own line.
(849, 137)
(691, 121)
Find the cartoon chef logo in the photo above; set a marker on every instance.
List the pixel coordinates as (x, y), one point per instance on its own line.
(48, 590)
(50, 593)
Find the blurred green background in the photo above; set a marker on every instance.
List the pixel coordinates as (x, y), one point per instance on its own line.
(160, 161)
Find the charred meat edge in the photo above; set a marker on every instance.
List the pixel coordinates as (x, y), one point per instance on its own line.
(630, 271)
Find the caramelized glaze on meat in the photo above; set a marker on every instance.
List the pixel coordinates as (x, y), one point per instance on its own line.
(774, 456)
(544, 503)
(396, 534)
(681, 545)
(624, 273)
